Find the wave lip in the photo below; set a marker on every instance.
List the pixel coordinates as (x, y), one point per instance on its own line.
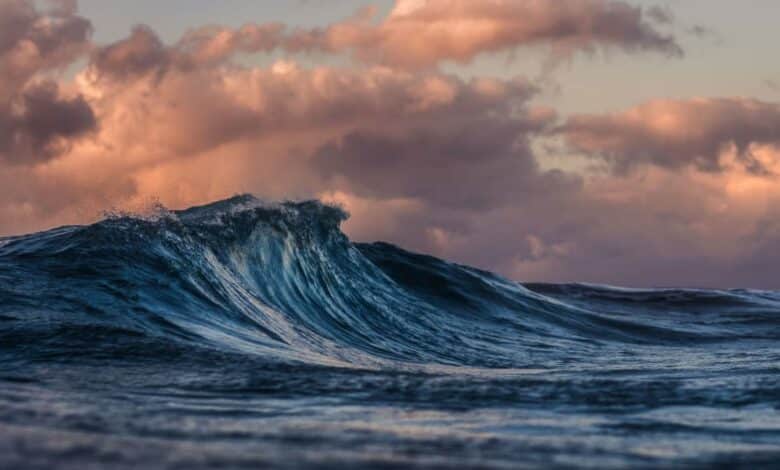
(281, 281)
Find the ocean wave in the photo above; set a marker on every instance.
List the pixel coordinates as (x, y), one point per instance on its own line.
(280, 281)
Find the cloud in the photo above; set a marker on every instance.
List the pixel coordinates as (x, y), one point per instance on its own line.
(420, 34)
(160, 118)
(42, 123)
(460, 30)
(656, 228)
(137, 54)
(37, 122)
(468, 164)
(677, 133)
(32, 41)
(63, 8)
(432, 161)
(143, 51)
(283, 100)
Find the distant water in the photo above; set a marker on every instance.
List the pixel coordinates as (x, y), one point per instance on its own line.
(244, 334)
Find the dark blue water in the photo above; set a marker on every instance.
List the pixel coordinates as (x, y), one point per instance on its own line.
(244, 334)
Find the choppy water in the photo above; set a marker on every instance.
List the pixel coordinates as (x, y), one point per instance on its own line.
(244, 334)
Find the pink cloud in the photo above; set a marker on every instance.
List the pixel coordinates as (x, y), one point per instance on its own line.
(37, 122)
(419, 34)
(460, 30)
(678, 133)
(432, 161)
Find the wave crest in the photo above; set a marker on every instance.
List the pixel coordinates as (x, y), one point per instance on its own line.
(280, 280)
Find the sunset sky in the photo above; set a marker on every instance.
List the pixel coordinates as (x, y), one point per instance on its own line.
(624, 142)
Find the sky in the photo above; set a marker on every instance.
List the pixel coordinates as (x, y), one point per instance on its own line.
(623, 142)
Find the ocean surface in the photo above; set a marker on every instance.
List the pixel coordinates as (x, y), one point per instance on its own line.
(245, 334)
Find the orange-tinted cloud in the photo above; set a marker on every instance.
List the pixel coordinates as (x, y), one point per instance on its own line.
(432, 161)
(283, 99)
(36, 121)
(470, 163)
(678, 133)
(216, 130)
(424, 33)
(137, 54)
(32, 41)
(41, 124)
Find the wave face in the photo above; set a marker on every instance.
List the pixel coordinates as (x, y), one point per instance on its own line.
(193, 300)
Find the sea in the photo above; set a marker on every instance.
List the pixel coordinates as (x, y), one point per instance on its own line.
(255, 334)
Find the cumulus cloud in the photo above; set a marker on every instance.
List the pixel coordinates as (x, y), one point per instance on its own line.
(32, 41)
(37, 122)
(166, 104)
(42, 123)
(469, 164)
(432, 161)
(656, 228)
(143, 51)
(678, 133)
(137, 54)
(263, 128)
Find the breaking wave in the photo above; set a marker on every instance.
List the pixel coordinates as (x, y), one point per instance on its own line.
(283, 282)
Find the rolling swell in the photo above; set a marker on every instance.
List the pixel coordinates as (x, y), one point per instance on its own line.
(282, 282)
